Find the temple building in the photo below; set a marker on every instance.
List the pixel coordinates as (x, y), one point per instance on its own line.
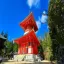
(28, 44)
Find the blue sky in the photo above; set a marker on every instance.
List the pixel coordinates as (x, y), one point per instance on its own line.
(12, 12)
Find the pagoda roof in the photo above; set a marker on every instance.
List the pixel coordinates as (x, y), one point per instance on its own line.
(30, 37)
(2, 37)
(29, 21)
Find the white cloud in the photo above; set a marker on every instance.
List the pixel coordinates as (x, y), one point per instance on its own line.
(35, 3)
(30, 3)
(38, 24)
(44, 18)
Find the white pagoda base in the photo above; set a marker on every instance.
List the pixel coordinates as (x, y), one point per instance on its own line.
(30, 57)
(27, 57)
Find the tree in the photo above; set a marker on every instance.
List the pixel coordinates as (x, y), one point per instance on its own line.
(56, 26)
(15, 47)
(9, 47)
(2, 33)
(2, 41)
(46, 45)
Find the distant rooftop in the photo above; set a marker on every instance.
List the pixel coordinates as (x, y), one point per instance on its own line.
(2, 37)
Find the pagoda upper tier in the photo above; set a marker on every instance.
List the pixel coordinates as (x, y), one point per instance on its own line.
(29, 23)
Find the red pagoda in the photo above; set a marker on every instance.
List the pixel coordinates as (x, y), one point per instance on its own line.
(28, 44)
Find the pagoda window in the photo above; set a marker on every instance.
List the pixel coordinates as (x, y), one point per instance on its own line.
(30, 44)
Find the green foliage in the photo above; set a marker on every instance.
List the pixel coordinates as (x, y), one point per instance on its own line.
(56, 24)
(56, 20)
(40, 49)
(8, 46)
(2, 47)
(46, 45)
(15, 47)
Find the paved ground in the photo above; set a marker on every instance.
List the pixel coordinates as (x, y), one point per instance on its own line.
(23, 62)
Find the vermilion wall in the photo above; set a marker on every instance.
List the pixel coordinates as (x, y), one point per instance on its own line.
(24, 50)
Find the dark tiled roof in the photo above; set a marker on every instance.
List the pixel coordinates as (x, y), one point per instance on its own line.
(2, 37)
